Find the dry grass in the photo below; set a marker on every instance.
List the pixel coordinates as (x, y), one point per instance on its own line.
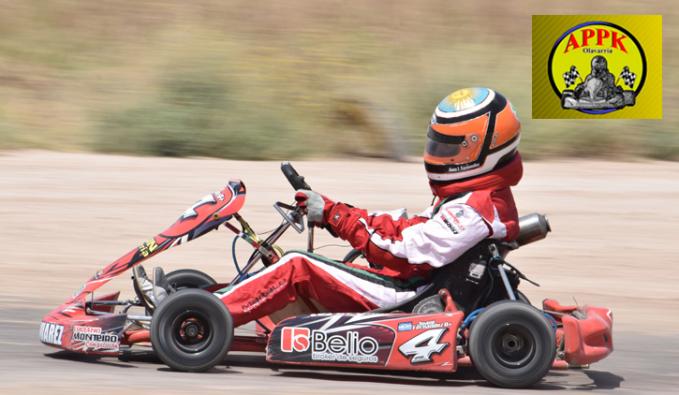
(284, 79)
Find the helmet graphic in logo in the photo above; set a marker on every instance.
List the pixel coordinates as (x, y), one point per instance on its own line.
(596, 68)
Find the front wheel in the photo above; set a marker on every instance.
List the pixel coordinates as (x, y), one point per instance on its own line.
(512, 344)
(191, 330)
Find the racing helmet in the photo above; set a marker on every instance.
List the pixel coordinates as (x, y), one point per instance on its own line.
(473, 131)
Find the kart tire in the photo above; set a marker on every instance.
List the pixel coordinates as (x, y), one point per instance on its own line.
(511, 344)
(189, 278)
(521, 297)
(429, 305)
(191, 330)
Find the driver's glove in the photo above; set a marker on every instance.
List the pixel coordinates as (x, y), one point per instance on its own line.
(314, 204)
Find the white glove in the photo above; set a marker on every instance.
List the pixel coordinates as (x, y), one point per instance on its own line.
(314, 204)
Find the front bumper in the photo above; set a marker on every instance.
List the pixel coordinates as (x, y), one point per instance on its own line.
(586, 334)
(71, 327)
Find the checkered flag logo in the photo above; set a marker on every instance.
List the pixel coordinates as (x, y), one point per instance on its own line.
(570, 76)
(628, 77)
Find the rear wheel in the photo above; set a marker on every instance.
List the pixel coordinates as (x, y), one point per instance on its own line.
(191, 330)
(189, 278)
(433, 304)
(512, 344)
(429, 305)
(520, 297)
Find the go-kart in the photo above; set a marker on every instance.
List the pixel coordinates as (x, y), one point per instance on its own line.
(471, 313)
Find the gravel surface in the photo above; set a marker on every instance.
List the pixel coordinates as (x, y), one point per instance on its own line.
(65, 215)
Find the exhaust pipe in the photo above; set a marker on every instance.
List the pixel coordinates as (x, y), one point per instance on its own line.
(532, 227)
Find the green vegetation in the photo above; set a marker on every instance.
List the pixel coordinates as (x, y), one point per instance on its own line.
(284, 79)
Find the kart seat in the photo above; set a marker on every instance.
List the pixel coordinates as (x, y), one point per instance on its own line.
(455, 277)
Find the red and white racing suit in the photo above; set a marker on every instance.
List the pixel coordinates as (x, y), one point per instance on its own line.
(404, 250)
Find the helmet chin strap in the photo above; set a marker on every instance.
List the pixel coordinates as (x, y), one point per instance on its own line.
(506, 176)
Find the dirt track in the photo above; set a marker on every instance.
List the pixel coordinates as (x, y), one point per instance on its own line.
(65, 215)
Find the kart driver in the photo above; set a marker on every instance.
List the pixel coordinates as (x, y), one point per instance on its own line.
(471, 160)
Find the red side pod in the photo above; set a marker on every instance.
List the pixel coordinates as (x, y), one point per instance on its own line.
(430, 345)
(393, 341)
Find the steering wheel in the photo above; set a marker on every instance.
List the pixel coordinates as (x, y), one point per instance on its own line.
(297, 183)
(292, 214)
(293, 177)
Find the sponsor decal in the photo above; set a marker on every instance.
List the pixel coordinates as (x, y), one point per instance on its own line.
(148, 248)
(295, 339)
(450, 226)
(51, 333)
(263, 295)
(92, 337)
(405, 326)
(348, 346)
(333, 338)
(459, 168)
(421, 347)
(597, 65)
(431, 324)
(454, 222)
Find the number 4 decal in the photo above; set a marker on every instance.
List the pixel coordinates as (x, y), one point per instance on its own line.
(421, 347)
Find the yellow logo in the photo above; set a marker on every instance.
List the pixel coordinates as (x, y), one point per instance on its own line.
(591, 66)
(597, 67)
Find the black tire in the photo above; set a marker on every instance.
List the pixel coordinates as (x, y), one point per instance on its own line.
(520, 297)
(512, 344)
(189, 278)
(191, 330)
(429, 305)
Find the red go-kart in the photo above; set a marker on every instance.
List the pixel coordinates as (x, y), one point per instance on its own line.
(472, 312)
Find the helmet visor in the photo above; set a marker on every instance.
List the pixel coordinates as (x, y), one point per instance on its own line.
(442, 150)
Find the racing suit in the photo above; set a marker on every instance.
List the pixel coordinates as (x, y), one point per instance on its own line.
(404, 251)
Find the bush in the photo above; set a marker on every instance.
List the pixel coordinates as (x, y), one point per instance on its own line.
(196, 114)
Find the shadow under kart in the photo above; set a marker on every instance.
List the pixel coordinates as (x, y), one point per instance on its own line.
(471, 312)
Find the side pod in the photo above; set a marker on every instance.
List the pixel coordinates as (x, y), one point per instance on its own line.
(392, 341)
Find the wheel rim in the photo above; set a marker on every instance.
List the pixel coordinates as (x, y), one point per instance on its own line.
(191, 331)
(513, 345)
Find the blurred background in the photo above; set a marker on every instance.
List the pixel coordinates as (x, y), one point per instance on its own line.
(288, 79)
(337, 82)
